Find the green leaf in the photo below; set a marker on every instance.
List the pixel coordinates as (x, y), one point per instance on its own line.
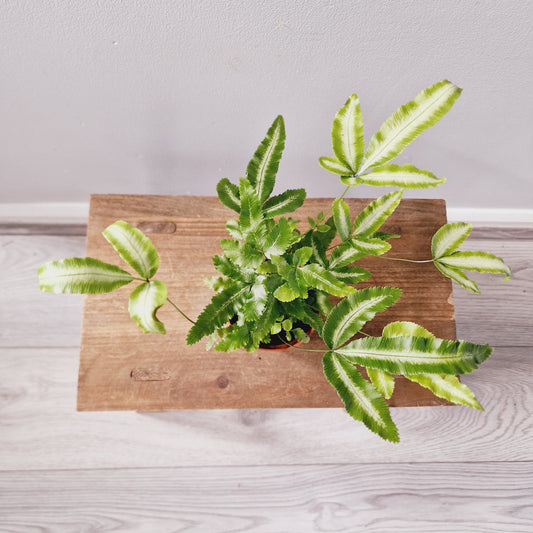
(287, 324)
(409, 121)
(241, 253)
(352, 313)
(448, 238)
(406, 177)
(415, 355)
(224, 265)
(372, 217)
(216, 315)
(263, 167)
(350, 275)
(344, 254)
(384, 236)
(304, 312)
(347, 134)
(234, 229)
(301, 335)
(459, 277)
(134, 247)
(287, 202)
(81, 275)
(302, 256)
(382, 380)
(333, 165)
(362, 401)
(145, 300)
(278, 239)
(234, 337)
(228, 194)
(323, 303)
(447, 387)
(478, 261)
(319, 278)
(254, 302)
(341, 215)
(266, 321)
(406, 329)
(251, 213)
(294, 288)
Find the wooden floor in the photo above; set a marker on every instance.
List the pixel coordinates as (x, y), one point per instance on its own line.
(273, 471)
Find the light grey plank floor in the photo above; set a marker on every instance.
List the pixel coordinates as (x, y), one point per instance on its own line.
(268, 471)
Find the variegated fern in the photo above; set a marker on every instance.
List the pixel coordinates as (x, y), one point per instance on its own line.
(274, 278)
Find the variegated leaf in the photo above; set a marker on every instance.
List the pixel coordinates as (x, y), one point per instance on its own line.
(350, 275)
(263, 167)
(144, 302)
(458, 276)
(478, 261)
(332, 165)
(409, 121)
(382, 380)
(352, 313)
(344, 254)
(415, 355)
(347, 135)
(319, 278)
(448, 238)
(134, 247)
(371, 246)
(341, 216)
(251, 214)
(241, 253)
(406, 329)
(372, 217)
(362, 401)
(278, 239)
(81, 275)
(390, 175)
(283, 203)
(228, 194)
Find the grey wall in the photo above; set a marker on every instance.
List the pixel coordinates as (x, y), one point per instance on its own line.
(169, 97)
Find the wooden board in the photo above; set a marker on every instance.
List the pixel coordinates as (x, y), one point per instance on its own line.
(123, 369)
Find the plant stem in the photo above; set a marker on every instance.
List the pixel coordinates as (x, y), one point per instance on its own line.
(406, 260)
(179, 310)
(339, 198)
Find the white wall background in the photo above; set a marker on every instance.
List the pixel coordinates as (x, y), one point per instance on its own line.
(168, 97)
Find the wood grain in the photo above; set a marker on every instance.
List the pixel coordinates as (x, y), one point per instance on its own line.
(187, 231)
(42, 430)
(432, 497)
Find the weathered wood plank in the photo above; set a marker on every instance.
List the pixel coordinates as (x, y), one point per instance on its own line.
(187, 233)
(42, 430)
(436, 497)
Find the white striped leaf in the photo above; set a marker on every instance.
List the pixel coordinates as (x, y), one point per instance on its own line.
(263, 167)
(241, 253)
(81, 275)
(344, 254)
(409, 121)
(382, 380)
(278, 239)
(390, 175)
(372, 217)
(444, 386)
(332, 165)
(251, 213)
(361, 399)
(448, 387)
(347, 135)
(341, 216)
(371, 246)
(415, 355)
(134, 247)
(283, 203)
(228, 194)
(459, 277)
(352, 313)
(478, 261)
(266, 320)
(304, 312)
(144, 302)
(448, 238)
(319, 278)
(350, 275)
(302, 256)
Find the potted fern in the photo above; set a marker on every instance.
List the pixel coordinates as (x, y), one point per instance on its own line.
(281, 279)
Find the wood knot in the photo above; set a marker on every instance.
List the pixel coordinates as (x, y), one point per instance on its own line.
(156, 227)
(222, 381)
(150, 374)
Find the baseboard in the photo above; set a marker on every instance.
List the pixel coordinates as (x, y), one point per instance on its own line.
(78, 212)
